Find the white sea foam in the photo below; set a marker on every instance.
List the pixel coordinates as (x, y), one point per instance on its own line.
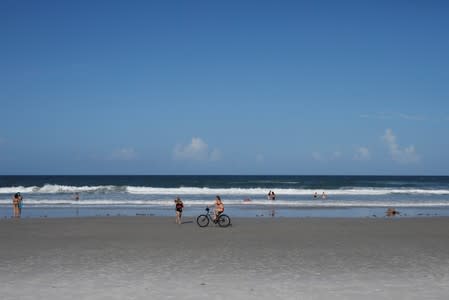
(56, 189)
(236, 203)
(141, 190)
(262, 191)
(15, 189)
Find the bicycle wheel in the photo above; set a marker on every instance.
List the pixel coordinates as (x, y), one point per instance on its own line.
(202, 220)
(224, 221)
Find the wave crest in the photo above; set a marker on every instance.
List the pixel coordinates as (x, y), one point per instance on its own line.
(59, 189)
(142, 190)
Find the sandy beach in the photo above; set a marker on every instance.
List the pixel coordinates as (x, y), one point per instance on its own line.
(257, 258)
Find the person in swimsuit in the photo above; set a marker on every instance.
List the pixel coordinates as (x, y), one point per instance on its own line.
(179, 206)
(219, 207)
(17, 205)
(391, 212)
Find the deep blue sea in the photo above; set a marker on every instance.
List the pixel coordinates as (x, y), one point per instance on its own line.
(243, 196)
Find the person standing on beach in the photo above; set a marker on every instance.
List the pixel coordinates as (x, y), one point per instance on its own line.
(179, 206)
(17, 204)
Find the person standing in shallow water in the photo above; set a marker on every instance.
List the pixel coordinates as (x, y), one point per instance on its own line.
(271, 195)
(179, 207)
(17, 205)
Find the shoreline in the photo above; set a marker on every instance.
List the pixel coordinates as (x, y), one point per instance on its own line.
(243, 220)
(256, 258)
(240, 212)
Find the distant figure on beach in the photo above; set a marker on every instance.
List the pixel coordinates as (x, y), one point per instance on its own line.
(17, 205)
(219, 207)
(247, 200)
(315, 195)
(391, 212)
(271, 195)
(179, 206)
(323, 196)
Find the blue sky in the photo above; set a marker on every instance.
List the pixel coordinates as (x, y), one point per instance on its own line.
(224, 87)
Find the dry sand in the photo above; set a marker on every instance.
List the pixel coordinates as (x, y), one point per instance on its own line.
(280, 258)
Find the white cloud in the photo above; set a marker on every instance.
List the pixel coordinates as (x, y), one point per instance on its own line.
(123, 154)
(362, 153)
(197, 150)
(401, 155)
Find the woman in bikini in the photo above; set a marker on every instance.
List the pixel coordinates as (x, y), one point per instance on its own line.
(219, 207)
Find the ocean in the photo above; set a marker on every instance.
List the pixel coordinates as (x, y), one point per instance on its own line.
(243, 196)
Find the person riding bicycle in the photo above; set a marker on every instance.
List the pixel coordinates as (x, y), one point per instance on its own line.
(219, 207)
(217, 217)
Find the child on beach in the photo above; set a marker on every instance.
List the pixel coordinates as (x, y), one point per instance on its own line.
(179, 206)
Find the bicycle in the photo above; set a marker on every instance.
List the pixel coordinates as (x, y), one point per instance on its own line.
(204, 219)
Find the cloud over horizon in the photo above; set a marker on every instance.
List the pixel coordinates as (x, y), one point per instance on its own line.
(196, 150)
(401, 155)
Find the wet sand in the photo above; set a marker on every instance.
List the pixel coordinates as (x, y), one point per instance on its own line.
(257, 258)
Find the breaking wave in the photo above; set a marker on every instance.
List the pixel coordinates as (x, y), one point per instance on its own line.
(142, 190)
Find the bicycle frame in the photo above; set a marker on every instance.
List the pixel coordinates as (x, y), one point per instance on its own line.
(222, 220)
